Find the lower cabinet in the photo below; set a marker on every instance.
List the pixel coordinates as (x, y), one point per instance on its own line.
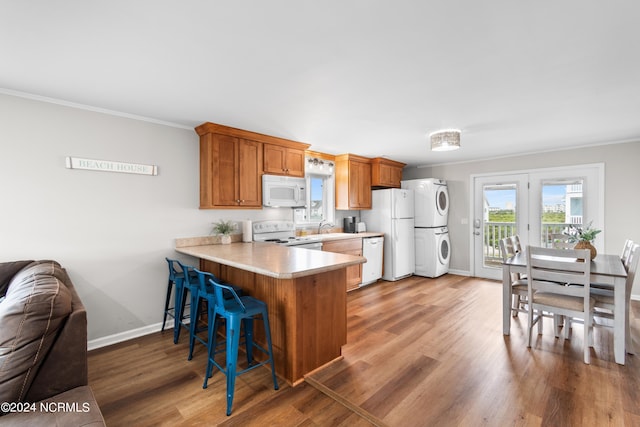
(349, 247)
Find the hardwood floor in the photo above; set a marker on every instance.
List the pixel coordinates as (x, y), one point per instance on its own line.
(420, 352)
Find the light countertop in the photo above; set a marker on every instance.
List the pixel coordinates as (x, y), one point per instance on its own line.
(280, 262)
(326, 237)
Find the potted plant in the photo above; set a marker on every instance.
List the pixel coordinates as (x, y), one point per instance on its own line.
(224, 229)
(582, 237)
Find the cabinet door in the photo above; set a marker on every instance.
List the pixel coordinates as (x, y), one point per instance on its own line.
(274, 159)
(279, 160)
(389, 176)
(349, 247)
(354, 272)
(294, 161)
(223, 170)
(396, 176)
(249, 172)
(360, 185)
(386, 173)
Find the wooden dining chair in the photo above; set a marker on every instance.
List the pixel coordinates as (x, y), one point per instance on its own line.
(561, 241)
(548, 270)
(626, 250)
(604, 298)
(510, 246)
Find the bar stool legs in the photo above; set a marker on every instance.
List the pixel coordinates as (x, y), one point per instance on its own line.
(239, 310)
(175, 283)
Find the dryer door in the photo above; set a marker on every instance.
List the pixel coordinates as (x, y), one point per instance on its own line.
(444, 249)
(442, 200)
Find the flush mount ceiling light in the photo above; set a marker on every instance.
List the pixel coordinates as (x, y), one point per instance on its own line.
(445, 140)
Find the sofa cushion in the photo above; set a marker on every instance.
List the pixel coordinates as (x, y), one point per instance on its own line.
(7, 271)
(34, 309)
(76, 407)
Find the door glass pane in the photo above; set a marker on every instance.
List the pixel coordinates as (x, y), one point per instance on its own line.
(562, 205)
(499, 220)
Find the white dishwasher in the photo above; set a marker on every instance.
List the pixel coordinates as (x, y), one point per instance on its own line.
(372, 251)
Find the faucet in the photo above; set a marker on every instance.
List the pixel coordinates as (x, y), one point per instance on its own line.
(321, 225)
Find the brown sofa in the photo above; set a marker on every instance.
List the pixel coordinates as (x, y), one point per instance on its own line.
(43, 348)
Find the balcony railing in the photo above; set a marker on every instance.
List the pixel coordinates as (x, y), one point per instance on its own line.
(495, 231)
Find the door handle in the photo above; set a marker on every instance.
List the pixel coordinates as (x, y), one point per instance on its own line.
(477, 233)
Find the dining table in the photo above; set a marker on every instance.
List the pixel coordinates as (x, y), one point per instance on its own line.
(605, 269)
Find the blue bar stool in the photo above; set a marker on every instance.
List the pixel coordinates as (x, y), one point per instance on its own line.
(176, 284)
(199, 293)
(235, 311)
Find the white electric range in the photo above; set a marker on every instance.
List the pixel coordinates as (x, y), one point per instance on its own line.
(283, 233)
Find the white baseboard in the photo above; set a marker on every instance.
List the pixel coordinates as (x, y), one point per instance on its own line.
(127, 335)
(460, 272)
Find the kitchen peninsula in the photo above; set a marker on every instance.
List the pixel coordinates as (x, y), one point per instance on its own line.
(305, 292)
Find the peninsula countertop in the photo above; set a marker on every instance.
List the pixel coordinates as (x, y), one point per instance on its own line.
(280, 262)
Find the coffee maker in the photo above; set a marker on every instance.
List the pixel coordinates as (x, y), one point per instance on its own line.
(349, 224)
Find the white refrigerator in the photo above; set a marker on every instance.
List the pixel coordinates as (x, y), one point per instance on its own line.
(392, 214)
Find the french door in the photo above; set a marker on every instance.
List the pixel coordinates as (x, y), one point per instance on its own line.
(501, 210)
(535, 205)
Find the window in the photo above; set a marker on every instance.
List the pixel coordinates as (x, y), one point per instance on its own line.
(320, 195)
(561, 207)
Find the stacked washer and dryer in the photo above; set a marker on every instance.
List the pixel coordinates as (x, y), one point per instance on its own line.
(432, 246)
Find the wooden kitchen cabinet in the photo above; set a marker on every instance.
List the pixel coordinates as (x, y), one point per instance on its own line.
(386, 173)
(230, 172)
(353, 182)
(232, 165)
(349, 247)
(283, 160)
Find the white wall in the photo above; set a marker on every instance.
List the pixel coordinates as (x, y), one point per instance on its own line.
(111, 231)
(622, 197)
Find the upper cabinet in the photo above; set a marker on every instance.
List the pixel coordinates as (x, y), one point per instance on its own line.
(353, 182)
(230, 172)
(284, 160)
(232, 164)
(386, 173)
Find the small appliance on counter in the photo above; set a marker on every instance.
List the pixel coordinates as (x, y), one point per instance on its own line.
(361, 227)
(349, 224)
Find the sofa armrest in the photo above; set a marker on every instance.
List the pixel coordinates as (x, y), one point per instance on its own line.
(65, 366)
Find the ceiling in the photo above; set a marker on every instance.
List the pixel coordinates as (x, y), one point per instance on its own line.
(369, 77)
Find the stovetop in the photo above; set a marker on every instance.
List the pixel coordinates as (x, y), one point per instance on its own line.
(278, 231)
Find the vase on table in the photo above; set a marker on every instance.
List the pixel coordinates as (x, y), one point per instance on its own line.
(225, 239)
(585, 244)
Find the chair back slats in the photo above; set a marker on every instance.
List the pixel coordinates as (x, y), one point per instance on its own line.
(203, 276)
(626, 250)
(220, 300)
(561, 241)
(173, 272)
(510, 246)
(551, 269)
(185, 273)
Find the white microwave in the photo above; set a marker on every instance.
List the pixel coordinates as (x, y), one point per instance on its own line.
(283, 191)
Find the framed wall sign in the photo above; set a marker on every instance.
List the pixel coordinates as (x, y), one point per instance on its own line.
(110, 166)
